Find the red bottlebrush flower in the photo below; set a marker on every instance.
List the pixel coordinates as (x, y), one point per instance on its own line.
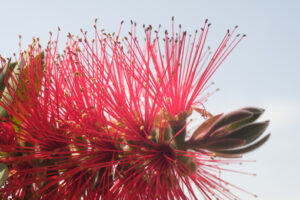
(129, 102)
(107, 120)
(156, 169)
(61, 135)
(173, 87)
(179, 69)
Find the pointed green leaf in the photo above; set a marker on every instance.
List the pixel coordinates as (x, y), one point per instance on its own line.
(230, 118)
(6, 97)
(3, 173)
(223, 155)
(257, 112)
(228, 143)
(5, 73)
(248, 148)
(205, 126)
(249, 132)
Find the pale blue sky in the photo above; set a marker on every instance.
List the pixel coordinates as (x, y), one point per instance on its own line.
(263, 71)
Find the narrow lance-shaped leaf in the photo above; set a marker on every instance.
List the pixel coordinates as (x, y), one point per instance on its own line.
(249, 132)
(4, 74)
(248, 148)
(228, 143)
(229, 119)
(257, 112)
(3, 173)
(6, 96)
(205, 126)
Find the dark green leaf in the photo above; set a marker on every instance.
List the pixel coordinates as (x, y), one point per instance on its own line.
(5, 73)
(3, 173)
(257, 112)
(6, 97)
(254, 110)
(230, 118)
(246, 149)
(205, 126)
(223, 144)
(249, 132)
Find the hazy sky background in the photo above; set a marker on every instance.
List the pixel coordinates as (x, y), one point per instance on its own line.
(263, 71)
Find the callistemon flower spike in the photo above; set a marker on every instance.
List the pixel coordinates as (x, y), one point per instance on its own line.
(182, 68)
(233, 133)
(128, 99)
(108, 120)
(156, 169)
(183, 72)
(16, 91)
(7, 133)
(91, 151)
(58, 153)
(10, 78)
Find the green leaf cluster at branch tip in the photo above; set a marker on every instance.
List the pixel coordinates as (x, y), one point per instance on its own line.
(231, 134)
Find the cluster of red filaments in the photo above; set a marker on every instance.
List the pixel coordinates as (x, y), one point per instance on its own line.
(107, 119)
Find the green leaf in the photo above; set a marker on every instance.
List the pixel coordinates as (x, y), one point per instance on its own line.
(230, 118)
(5, 73)
(23, 86)
(3, 112)
(249, 132)
(223, 144)
(6, 97)
(246, 149)
(257, 112)
(205, 126)
(3, 173)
